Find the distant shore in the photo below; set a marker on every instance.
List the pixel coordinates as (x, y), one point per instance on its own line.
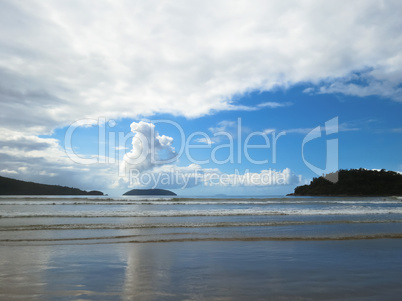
(10, 186)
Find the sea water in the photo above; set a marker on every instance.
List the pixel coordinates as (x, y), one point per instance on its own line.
(170, 248)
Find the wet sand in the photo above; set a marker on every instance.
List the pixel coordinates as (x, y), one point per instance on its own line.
(210, 270)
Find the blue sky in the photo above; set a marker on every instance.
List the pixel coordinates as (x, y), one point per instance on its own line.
(369, 132)
(206, 77)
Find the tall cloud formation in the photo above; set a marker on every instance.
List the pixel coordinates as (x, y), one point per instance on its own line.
(149, 149)
(67, 60)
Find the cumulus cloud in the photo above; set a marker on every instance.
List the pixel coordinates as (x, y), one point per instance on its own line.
(149, 149)
(66, 60)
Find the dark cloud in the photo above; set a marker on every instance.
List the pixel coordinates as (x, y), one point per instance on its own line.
(26, 144)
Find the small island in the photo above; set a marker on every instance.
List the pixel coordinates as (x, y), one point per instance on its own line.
(10, 186)
(354, 182)
(149, 192)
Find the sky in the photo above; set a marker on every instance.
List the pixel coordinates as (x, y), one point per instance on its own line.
(199, 97)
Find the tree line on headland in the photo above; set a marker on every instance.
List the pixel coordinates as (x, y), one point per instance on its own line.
(16, 187)
(354, 182)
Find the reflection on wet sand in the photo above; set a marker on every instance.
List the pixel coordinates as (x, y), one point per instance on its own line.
(285, 270)
(21, 272)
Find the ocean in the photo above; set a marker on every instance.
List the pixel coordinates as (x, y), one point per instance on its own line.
(223, 248)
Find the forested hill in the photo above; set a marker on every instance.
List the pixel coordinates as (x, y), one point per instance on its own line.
(355, 182)
(16, 187)
(149, 192)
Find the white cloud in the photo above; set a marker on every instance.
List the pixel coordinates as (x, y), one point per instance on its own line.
(308, 90)
(343, 127)
(149, 149)
(206, 140)
(120, 148)
(69, 60)
(268, 131)
(273, 104)
(225, 129)
(8, 172)
(368, 84)
(224, 126)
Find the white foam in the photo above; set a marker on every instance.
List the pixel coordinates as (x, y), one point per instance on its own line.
(350, 210)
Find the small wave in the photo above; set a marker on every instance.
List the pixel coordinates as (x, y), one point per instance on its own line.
(127, 239)
(352, 210)
(135, 202)
(60, 227)
(273, 238)
(195, 201)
